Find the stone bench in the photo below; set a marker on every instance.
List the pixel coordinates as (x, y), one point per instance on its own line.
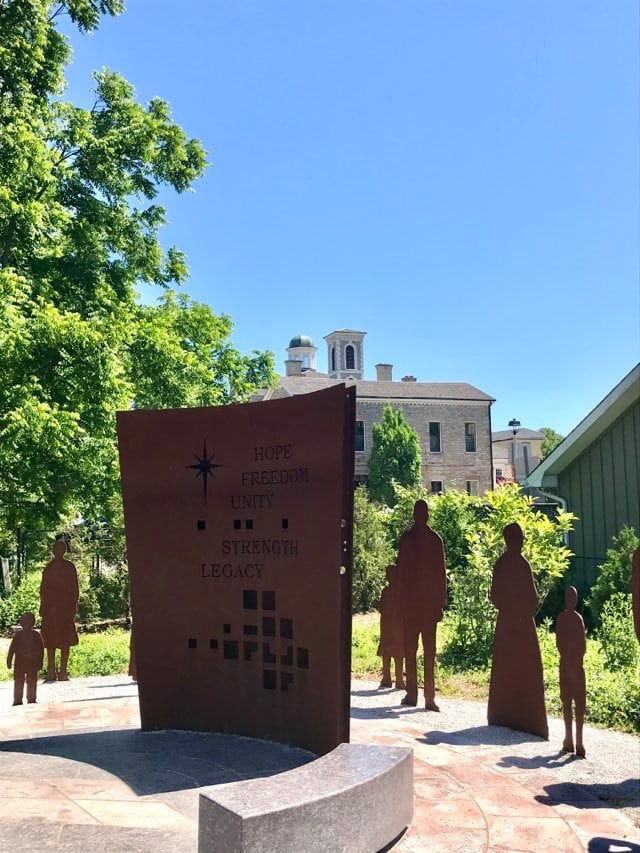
(357, 798)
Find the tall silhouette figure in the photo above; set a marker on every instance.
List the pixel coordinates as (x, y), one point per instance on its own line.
(26, 654)
(59, 595)
(391, 631)
(516, 692)
(423, 595)
(635, 590)
(572, 644)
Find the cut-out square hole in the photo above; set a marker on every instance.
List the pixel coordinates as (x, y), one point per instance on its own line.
(192, 643)
(213, 644)
(237, 524)
(249, 524)
(287, 660)
(202, 524)
(285, 523)
(286, 680)
(226, 628)
(267, 654)
(248, 649)
(286, 629)
(250, 599)
(303, 658)
(269, 679)
(230, 650)
(250, 630)
(268, 600)
(268, 626)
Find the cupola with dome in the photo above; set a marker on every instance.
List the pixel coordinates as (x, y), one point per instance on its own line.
(301, 355)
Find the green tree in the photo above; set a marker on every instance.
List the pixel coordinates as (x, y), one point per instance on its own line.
(79, 232)
(550, 441)
(395, 456)
(614, 574)
(372, 552)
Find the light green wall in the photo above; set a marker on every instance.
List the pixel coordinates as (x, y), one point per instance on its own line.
(602, 488)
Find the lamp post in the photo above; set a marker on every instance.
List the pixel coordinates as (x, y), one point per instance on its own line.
(514, 426)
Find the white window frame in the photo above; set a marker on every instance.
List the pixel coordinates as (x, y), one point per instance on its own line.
(475, 436)
(469, 490)
(440, 490)
(439, 436)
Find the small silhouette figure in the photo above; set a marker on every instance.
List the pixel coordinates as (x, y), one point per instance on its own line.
(423, 595)
(516, 690)
(391, 631)
(59, 595)
(635, 590)
(26, 654)
(572, 644)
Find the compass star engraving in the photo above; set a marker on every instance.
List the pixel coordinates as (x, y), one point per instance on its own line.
(205, 467)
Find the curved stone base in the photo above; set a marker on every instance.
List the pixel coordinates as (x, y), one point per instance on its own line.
(357, 799)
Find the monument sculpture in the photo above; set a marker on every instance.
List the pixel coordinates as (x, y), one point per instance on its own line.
(635, 590)
(516, 690)
(422, 582)
(59, 595)
(391, 631)
(238, 522)
(572, 644)
(26, 654)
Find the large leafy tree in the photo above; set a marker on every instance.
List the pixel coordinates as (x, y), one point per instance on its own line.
(550, 441)
(395, 456)
(79, 232)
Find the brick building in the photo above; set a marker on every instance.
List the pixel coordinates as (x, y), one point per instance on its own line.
(452, 419)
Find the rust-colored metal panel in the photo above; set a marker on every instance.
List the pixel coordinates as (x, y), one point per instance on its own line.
(238, 522)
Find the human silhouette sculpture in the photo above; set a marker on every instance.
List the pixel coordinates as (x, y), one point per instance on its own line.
(26, 654)
(635, 590)
(391, 631)
(572, 644)
(59, 595)
(516, 691)
(423, 595)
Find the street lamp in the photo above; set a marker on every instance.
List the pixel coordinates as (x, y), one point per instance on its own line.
(514, 426)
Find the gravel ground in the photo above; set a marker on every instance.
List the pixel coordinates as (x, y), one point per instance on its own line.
(611, 770)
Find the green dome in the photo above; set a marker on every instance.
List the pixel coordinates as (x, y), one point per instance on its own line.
(301, 341)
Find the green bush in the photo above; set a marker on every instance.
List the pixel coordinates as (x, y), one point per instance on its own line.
(23, 598)
(614, 575)
(616, 633)
(372, 552)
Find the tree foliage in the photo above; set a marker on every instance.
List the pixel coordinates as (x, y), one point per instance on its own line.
(79, 232)
(550, 441)
(395, 456)
(372, 552)
(614, 574)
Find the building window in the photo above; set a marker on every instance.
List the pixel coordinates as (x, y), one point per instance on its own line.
(470, 437)
(499, 473)
(333, 359)
(350, 357)
(436, 487)
(359, 435)
(434, 437)
(472, 487)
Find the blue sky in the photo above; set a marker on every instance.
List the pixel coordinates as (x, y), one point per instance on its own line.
(458, 179)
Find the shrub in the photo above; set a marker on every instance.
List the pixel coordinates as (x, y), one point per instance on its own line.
(616, 632)
(614, 575)
(395, 455)
(24, 597)
(372, 552)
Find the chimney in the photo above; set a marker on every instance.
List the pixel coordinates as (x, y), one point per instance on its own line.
(408, 379)
(293, 367)
(384, 372)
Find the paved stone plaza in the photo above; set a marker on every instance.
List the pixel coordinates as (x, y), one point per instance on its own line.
(76, 774)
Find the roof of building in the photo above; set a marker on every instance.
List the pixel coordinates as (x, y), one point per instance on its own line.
(615, 404)
(383, 390)
(301, 341)
(523, 433)
(344, 332)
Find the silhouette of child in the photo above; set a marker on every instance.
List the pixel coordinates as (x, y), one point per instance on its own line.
(58, 604)
(391, 631)
(572, 644)
(26, 653)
